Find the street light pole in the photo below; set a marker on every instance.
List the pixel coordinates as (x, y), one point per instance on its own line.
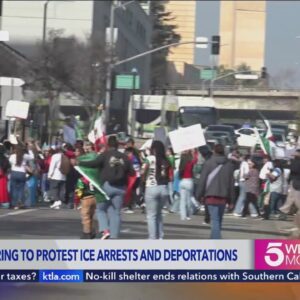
(45, 21)
(110, 66)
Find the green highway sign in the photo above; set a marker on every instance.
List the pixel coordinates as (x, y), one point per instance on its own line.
(127, 82)
(208, 74)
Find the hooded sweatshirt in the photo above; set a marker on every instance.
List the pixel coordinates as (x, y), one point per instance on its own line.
(222, 185)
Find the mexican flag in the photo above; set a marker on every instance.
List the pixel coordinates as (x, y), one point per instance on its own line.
(97, 132)
(93, 176)
(267, 141)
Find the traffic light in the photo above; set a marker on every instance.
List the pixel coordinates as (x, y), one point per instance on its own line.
(264, 73)
(215, 45)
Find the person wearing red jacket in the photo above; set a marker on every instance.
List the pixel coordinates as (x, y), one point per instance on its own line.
(187, 161)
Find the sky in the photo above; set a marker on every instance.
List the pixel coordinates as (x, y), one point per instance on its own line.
(282, 48)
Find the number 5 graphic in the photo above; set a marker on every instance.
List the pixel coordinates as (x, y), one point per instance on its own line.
(274, 249)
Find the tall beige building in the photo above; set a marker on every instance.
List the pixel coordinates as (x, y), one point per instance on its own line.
(242, 31)
(184, 14)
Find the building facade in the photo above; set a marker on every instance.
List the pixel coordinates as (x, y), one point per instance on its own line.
(25, 22)
(242, 31)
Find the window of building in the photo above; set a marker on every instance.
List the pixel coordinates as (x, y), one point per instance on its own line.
(1, 4)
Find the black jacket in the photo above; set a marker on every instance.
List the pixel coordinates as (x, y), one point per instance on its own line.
(222, 184)
(104, 162)
(295, 173)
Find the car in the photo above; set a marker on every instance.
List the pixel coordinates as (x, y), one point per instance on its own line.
(222, 128)
(219, 137)
(247, 137)
(281, 128)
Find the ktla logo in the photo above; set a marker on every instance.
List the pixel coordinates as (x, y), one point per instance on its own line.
(274, 256)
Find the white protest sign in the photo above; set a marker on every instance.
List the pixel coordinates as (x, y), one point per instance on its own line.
(17, 109)
(187, 138)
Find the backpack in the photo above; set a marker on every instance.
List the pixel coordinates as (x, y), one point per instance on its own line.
(65, 165)
(116, 172)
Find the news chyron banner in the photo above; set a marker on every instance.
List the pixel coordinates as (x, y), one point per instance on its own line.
(149, 261)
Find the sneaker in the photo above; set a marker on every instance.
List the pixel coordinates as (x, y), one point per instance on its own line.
(254, 215)
(56, 204)
(16, 207)
(128, 211)
(282, 217)
(105, 235)
(237, 215)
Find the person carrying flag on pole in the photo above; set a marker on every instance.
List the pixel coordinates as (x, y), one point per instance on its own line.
(97, 134)
(114, 168)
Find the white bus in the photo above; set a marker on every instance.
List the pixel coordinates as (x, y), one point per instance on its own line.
(146, 112)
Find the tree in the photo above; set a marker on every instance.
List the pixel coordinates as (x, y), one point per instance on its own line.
(163, 33)
(64, 64)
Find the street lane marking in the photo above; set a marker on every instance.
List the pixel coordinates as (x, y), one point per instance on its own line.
(19, 212)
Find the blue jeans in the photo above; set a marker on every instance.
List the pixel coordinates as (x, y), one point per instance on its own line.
(17, 187)
(31, 189)
(155, 198)
(276, 200)
(241, 201)
(186, 194)
(216, 213)
(109, 212)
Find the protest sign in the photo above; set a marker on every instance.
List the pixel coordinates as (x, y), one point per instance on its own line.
(187, 138)
(17, 109)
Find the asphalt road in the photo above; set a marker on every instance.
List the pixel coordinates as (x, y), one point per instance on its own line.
(44, 223)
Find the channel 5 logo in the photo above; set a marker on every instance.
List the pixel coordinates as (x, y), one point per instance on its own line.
(274, 256)
(277, 254)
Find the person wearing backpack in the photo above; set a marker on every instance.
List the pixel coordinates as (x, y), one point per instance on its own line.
(58, 170)
(115, 170)
(216, 188)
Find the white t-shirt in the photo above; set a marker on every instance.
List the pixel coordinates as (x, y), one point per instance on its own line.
(265, 170)
(54, 172)
(22, 167)
(244, 170)
(277, 185)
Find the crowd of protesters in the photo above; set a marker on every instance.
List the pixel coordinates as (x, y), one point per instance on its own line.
(154, 181)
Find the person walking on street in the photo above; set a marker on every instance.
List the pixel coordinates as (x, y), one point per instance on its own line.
(251, 188)
(57, 179)
(19, 166)
(293, 197)
(156, 174)
(216, 187)
(187, 162)
(244, 170)
(115, 169)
